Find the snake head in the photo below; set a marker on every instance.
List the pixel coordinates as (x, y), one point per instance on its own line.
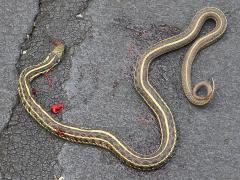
(58, 48)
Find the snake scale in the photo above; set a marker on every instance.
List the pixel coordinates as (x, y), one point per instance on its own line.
(163, 114)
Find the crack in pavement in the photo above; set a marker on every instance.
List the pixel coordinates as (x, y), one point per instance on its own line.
(16, 18)
(112, 34)
(102, 95)
(27, 150)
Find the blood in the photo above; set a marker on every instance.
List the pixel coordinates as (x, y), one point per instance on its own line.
(55, 108)
(50, 83)
(56, 42)
(60, 132)
(34, 91)
(131, 49)
(144, 120)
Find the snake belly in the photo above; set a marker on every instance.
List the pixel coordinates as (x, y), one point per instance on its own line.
(162, 112)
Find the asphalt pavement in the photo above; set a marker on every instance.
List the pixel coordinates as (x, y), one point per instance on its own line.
(95, 82)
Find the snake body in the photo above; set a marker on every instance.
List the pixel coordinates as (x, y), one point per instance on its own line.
(163, 114)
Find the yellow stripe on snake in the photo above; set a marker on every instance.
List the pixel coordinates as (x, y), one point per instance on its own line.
(162, 112)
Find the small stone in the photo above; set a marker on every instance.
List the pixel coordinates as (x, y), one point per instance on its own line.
(24, 51)
(79, 16)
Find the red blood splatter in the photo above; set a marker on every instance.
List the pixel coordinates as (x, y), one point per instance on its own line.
(34, 91)
(55, 108)
(56, 42)
(144, 120)
(60, 132)
(48, 79)
(131, 49)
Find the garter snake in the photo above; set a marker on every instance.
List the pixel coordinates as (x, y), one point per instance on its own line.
(163, 114)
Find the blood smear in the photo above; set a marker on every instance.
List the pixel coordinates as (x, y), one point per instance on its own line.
(55, 108)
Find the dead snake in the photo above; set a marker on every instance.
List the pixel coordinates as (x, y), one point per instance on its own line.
(162, 112)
